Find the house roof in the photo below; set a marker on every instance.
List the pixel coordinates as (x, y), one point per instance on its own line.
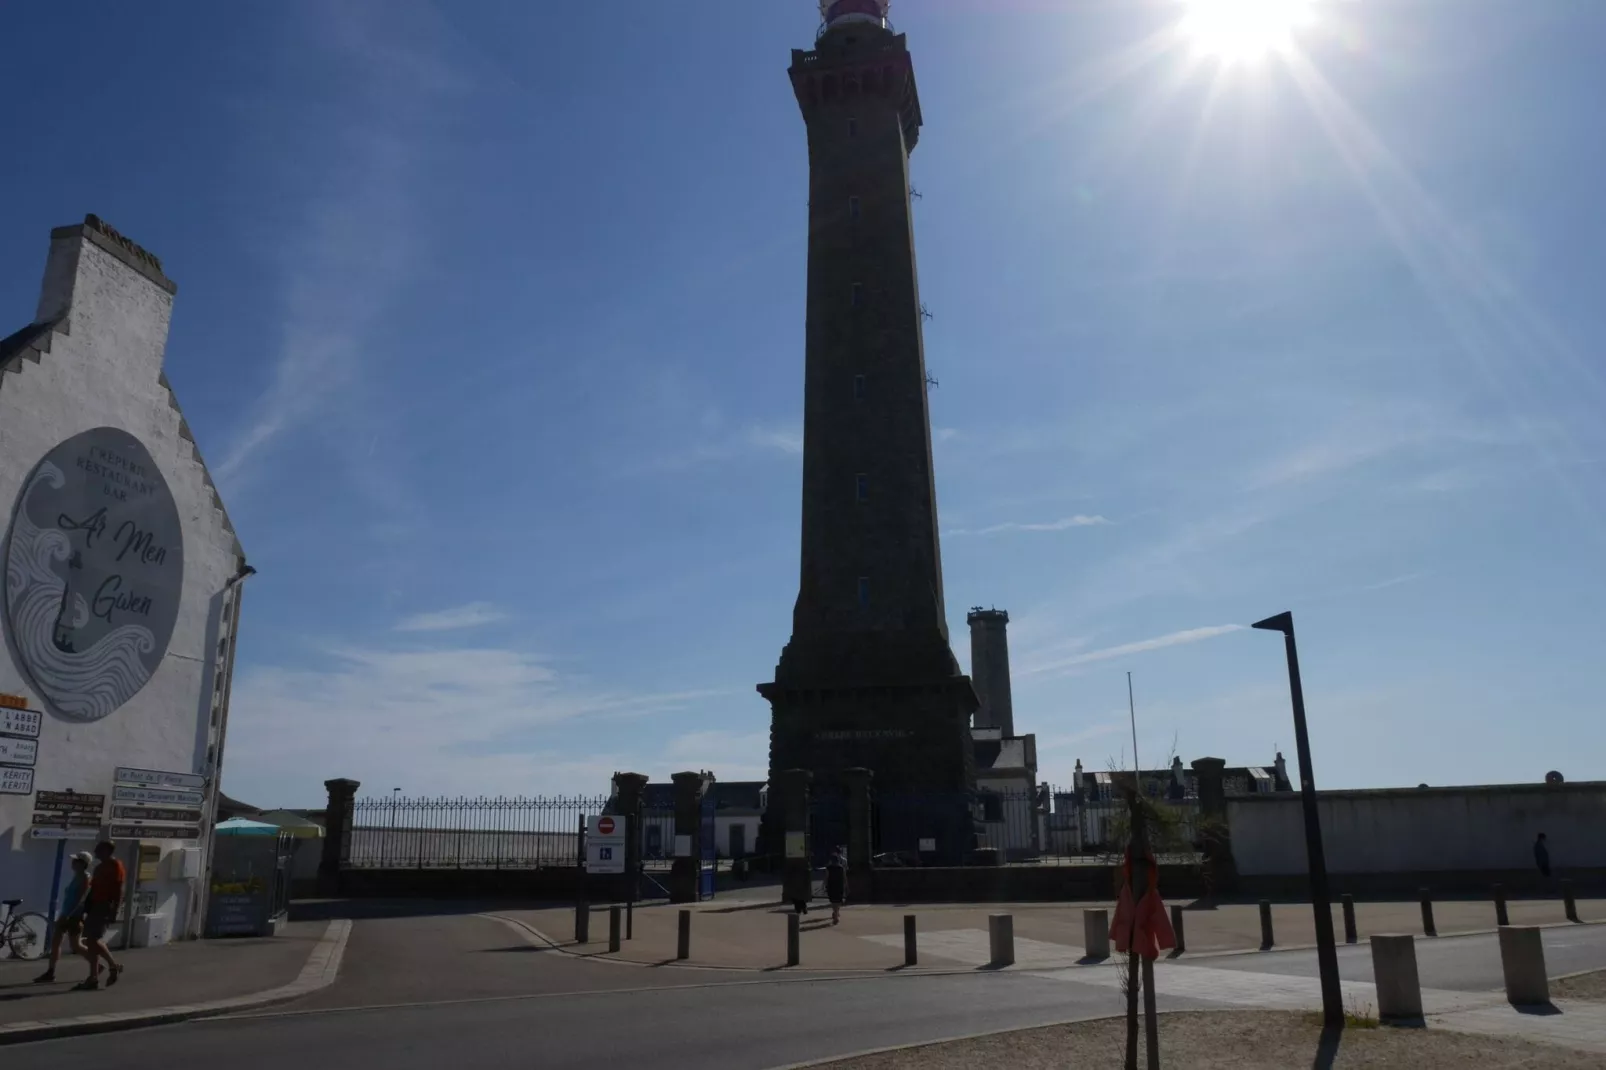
(728, 795)
(1000, 753)
(34, 336)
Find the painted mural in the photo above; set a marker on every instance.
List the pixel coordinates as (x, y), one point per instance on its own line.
(94, 572)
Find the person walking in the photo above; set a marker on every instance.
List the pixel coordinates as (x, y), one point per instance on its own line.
(105, 896)
(69, 916)
(836, 883)
(1542, 856)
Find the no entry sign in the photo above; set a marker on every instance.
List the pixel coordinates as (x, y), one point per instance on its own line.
(605, 843)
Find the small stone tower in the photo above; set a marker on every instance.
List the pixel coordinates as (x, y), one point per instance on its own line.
(989, 668)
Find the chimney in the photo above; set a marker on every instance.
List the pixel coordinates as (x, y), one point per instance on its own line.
(96, 275)
(1282, 775)
(989, 668)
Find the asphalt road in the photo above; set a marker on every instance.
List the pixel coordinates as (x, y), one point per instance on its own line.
(417, 992)
(1456, 963)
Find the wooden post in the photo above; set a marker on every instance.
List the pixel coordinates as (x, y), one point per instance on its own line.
(793, 952)
(1427, 913)
(683, 940)
(1501, 917)
(1176, 923)
(1349, 918)
(911, 955)
(1266, 940)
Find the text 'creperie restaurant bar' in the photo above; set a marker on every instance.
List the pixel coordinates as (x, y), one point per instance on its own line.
(121, 593)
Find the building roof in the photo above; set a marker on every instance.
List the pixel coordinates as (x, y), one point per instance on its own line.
(1000, 753)
(728, 795)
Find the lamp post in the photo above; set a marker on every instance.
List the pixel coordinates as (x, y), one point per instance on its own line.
(1321, 899)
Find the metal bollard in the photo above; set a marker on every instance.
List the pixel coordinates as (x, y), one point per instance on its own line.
(911, 956)
(582, 923)
(614, 919)
(1350, 935)
(1427, 913)
(1568, 901)
(683, 941)
(1399, 989)
(1522, 960)
(1096, 933)
(793, 957)
(1176, 924)
(1266, 940)
(1001, 939)
(1501, 917)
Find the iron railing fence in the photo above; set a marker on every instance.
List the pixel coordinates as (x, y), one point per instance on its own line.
(481, 832)
(1047, 827)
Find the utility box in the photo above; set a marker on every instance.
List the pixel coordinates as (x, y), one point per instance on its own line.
(152, 930)
(184, 864)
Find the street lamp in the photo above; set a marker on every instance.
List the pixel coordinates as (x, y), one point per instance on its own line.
(1321, 899)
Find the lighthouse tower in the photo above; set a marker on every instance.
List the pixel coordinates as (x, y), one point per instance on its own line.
(868, 679)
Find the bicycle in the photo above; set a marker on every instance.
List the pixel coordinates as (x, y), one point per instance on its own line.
(23, 933)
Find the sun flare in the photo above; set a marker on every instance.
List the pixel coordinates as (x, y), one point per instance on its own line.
(1243, 29)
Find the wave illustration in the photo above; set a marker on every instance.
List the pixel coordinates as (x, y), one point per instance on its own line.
(83, 685)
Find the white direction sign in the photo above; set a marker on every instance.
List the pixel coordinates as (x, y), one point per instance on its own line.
(605, 843)
(44, 832)
(20, 722)
(14, 781)
(156, 796)
(18, 751)
(155, 778)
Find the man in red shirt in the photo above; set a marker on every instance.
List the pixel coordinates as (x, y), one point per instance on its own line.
(105, 896)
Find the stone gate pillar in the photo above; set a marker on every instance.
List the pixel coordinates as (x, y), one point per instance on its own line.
(689, 791)
(628, 789)
(797, 884)
(1220, 871)
(857, 783)
(336, 833)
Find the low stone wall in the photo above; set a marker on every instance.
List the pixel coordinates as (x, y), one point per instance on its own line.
(557, 884)
(1448, 883)
(1017, 884)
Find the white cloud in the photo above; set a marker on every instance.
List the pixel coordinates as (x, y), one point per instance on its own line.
(1063, 524)
(438, 720)
(1159, 642)
(471, 615)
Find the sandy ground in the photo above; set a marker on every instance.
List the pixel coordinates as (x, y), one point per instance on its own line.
(1584, 986)
(1255, 1040)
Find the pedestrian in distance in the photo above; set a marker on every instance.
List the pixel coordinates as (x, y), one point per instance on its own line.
(836, 883)
(69, 916)
(105, 896)
(1542, 856)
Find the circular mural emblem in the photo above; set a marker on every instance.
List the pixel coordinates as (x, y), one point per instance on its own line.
(94, 569)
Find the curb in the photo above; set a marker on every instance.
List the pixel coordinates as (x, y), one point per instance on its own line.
(319, 971)
(829, 1059)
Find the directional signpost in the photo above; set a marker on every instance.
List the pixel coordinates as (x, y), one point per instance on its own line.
(155, 804)
(19, 744)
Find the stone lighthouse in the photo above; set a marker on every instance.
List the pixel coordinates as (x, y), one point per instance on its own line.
(868, 679)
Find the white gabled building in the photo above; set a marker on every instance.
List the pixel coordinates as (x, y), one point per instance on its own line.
(121, 586)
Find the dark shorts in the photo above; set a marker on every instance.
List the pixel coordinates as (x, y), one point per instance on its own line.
(96, 920)
(71, 924)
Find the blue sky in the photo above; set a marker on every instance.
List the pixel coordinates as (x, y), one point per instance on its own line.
(490, 325)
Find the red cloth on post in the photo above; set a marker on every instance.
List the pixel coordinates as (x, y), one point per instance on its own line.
(1152, 931)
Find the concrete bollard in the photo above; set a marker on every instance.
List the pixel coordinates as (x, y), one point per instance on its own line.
(582, 923)
(1522, 960)
(614, 918)
(1266, 940)
(1176, 924)
(1001, 939)
(683, 937)
(793, 951)
(1399, 990)
(1350, 935)
(1568, 901)
(911, 956)
(1501, 917)
(1096, 933)
(1427, 913)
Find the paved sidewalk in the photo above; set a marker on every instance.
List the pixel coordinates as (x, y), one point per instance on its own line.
(750, 934)
(182, 980)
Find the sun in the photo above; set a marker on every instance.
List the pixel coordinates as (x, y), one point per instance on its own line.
(1243, 29)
